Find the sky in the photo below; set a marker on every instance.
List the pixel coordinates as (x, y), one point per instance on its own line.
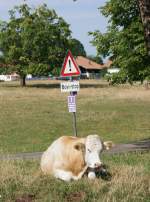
(82, 15)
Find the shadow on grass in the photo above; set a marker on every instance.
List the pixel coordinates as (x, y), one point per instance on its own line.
(53, 86)
(44, 85)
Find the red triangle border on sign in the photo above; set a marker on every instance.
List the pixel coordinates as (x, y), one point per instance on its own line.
(77, 73)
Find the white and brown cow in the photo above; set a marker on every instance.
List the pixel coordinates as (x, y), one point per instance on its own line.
(69, 157)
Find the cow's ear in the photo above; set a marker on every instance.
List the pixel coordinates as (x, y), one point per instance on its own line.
(108, 145)
(79, 146)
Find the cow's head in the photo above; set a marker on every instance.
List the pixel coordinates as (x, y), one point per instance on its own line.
(93, 147)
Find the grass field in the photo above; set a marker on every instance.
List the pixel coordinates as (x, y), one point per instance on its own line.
(32, 117)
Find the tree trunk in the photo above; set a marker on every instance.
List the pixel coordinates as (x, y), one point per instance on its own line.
(22, 80)
(144, 6)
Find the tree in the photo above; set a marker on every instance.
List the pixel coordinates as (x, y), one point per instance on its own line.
(124, 39)
(34, 41)
(144, 6)
(77, 48)
(96, 59)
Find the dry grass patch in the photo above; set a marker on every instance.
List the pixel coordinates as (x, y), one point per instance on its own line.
(129, 183)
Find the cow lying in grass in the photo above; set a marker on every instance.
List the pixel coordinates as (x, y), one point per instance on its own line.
(68, 158)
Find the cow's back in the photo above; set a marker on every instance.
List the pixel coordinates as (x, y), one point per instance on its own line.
(62, 154)
(48, 158)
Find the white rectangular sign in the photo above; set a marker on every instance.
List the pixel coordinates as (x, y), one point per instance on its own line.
(71, 86)
(72, 103)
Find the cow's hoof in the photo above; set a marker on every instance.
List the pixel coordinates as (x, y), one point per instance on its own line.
(91, 175)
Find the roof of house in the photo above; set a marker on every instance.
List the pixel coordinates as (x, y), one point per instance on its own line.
(89, 64)
(108, 63)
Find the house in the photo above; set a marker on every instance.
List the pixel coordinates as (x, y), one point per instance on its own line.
(9, 77)
(113, 70)
(90, 69)
(110, 69)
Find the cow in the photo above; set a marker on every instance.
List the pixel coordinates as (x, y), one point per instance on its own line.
(68, 157)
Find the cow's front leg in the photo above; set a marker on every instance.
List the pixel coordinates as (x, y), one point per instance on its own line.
(79, 176)
(63, 175)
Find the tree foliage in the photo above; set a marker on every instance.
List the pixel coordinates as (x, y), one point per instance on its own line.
(34, 41)
(77, 48)
(96, 59)
(124, 39)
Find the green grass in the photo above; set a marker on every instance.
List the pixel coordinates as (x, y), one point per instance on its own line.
(31, 118)
(130, 182)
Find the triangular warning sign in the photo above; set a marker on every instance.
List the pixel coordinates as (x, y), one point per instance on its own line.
(70, 67)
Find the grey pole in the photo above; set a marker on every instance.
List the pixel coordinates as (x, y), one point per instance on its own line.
(74, 117)
(74, 124)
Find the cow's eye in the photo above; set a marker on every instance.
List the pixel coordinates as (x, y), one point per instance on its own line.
(89, 150)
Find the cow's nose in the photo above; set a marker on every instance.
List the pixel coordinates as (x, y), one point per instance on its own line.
(97, 165)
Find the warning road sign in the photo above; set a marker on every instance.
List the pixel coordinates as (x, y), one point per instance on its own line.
(70, 67)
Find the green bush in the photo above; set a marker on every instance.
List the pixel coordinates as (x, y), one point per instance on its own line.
(117, 78)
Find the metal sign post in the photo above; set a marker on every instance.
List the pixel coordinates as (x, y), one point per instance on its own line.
(70, 68)
(72, 108)
(74, 124)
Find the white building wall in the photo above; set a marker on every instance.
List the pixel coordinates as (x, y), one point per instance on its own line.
(113, 70)
(8, 78)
